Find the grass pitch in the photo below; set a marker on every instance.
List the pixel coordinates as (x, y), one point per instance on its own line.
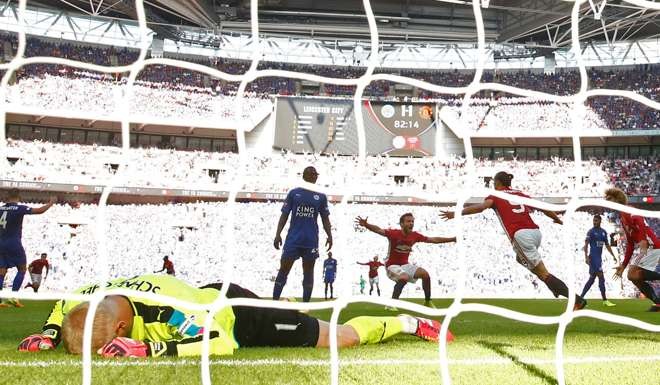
(488, 350)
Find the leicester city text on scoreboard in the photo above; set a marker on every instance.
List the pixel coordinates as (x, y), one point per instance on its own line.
(327, 125)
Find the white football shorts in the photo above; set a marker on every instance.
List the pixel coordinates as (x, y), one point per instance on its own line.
(394, 272)
(648, 261)
(36, 279)
(526, 243)
(373, 281)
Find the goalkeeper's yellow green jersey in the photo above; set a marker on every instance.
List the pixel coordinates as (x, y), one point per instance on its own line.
(170, 330)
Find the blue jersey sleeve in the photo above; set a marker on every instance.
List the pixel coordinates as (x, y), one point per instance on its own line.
(323, 209)
(288, 203)
(24, 210)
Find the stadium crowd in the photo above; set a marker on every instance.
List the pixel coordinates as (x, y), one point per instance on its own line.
(164, 90)
(522, 114)
(138, 236)
(98, 95)
(38, 161)
(635, 176)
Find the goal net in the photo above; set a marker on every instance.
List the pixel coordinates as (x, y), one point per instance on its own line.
(121, 109)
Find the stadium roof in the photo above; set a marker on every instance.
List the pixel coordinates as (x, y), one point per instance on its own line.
(538, 22)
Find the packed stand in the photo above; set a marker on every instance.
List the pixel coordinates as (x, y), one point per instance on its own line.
(429, 178)
(635, 176)
(520, 114)
(96, 95)
(601, 113)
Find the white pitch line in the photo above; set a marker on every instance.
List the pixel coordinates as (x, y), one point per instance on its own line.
(349, 362)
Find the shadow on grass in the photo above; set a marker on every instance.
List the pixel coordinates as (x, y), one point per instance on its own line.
(529, 368)
(634, 338)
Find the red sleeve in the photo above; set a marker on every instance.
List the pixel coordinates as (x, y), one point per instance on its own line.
(492, 198)
(641, 225)
(388, 233)
(420, 238)
(630, 247)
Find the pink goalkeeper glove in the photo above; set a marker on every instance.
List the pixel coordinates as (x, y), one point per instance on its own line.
(124, 347)
(35, 343)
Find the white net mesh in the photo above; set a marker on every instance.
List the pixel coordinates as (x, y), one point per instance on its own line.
(228, 237)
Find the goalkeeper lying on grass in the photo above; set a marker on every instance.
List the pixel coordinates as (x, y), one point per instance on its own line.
(136, 327)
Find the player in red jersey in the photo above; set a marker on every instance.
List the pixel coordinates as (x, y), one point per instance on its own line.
(401, 242)
(523, 233)
(36, 268)
(373, 274)
(638, 235)
(168, 266)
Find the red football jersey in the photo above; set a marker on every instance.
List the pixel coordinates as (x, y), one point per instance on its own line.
(401, 245)
(373, 268)
(169, 267)
(38, 265)
(513, 217)
(636, 230)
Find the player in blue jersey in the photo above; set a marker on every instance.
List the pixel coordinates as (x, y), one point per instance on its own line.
(329, 272)
(593, 252)
(302, 240)
(12, 253)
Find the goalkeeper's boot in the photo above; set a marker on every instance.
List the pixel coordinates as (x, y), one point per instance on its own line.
(655, 308)
(429, 330)
(3, 303)
(608, 303)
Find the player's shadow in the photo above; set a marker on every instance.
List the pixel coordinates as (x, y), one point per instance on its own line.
(636, 338)
(531, 369)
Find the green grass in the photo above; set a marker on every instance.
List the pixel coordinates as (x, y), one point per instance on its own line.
(515, 353)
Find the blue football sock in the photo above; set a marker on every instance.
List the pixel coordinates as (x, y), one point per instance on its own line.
(587, 286)
(308, 285)
(601, 286)
(280, 281)
(2, 281)
(18, 281)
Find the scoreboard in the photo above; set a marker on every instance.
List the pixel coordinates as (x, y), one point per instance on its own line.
(326, 125)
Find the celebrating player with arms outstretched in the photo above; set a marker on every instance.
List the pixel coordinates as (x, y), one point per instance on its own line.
(596, 239)
(132, 326)
(398, 268)
(523, 233)
(373, 274)
(36, 268)
(302, 240)
(638, 235)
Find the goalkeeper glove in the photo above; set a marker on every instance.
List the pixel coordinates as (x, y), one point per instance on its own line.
(35, 343)
(124, 347)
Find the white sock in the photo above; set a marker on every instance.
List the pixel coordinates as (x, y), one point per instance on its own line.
(408, 322)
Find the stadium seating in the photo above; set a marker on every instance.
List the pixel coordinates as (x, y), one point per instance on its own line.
(151, 167)
(602, 112)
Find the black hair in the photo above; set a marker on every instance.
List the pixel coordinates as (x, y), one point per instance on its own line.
(13, 193)
(404, 216)
(504, 178)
